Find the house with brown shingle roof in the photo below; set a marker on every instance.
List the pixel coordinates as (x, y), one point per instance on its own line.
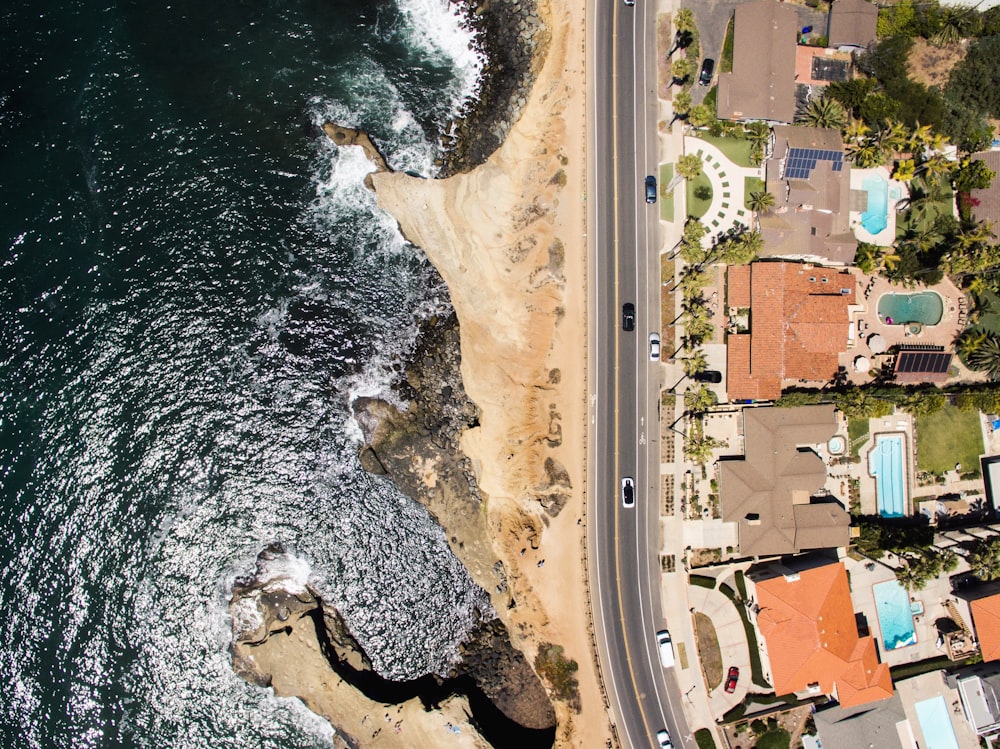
(986, 202)
(806, 618)
(852, 23)
(986, 618)
(774, 491)
(799, 320)
(811, 185)
(761, 85)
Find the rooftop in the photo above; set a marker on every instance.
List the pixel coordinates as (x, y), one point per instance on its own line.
(988, 208)
(807, 621)
(798, 326)
(852, 23)
(986, 617)
(761, 85)
(771, 492)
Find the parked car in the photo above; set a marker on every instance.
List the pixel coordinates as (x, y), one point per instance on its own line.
(650, 189)
(732, 678)
(654, 346)
(628, 492)
(630, 2)
(708, 375)
(666, 648)
(707, 69)
(664, 739)
(628, 316)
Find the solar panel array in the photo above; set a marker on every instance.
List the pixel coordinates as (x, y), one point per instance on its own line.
(923, 362)
(801, 161)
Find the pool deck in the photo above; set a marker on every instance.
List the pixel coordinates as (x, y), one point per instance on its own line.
(887, 236)
(865, 322)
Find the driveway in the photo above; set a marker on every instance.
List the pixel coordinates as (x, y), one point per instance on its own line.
(732, 644)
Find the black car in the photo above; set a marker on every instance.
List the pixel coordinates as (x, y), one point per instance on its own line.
(709, 375)
(628, 316)
(628, 492)
(707, 69)
(650, 189)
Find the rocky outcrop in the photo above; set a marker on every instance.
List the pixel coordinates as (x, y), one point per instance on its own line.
(512, 37)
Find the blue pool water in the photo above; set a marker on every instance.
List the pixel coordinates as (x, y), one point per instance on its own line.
(936, 723)
(875, 218)
(885, 463)
(894, 619)
(924, 307)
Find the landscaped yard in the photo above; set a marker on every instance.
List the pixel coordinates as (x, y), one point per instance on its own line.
(708, 650)
(666, 201)
(697, 202)
(737, 150)
(921, 218)
(948, 437)
(857, 433)
(750, 186)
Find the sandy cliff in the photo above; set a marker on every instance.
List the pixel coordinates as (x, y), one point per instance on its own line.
(508, 239)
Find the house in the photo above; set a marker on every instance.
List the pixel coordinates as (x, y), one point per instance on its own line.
(851, 23)
(761, 85)
(986, 618)
(841, 728)
(811, 186)
(806, 618)
(986, 202)
(798, 322)
(774, 492)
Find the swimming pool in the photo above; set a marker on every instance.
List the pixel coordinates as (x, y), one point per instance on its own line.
(892, 605)
(923, 307)
(885, 463)
(935, 723)
(875, 218)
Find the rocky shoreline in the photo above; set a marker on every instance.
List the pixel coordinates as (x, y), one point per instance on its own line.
(512, 37)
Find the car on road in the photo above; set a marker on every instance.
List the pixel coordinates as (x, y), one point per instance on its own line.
(628, 316)
(654, 346)
(664, 738)
(650, 189)
(707, 69)
(630, 2)
(708, 375)
(732, 678)
(628, 492)
(666, 648)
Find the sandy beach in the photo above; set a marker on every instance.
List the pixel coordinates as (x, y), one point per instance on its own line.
(508, 239)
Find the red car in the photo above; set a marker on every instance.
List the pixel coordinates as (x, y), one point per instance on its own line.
(734, 676)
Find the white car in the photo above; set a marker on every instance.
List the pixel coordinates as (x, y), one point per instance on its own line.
(664, 738)
(666, 648)
(628, 492)
(654, 346)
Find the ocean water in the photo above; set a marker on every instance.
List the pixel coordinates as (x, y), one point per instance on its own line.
(193, 288)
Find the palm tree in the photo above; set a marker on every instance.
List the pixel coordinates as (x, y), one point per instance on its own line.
(986, 357)
(680, 70)
(895, 137)
(760, 201)
(684, 20)
(969, 341)
(857, 131)
(689, 166)
(865, 154)
(700, 399)
(825, 112)
(694, 363)
(905, 170)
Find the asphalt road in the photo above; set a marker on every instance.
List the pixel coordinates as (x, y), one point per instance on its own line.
(624, 430)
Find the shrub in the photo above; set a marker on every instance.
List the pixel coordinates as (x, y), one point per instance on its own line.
(703, 737)
(559, 671)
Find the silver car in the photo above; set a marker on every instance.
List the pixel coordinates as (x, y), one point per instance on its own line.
(654, 346)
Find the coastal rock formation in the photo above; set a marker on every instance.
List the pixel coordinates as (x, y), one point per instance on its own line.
(512, 36)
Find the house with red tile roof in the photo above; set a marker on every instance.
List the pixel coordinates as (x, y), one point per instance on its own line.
(986, 617)
(806, 618)
(798, 325)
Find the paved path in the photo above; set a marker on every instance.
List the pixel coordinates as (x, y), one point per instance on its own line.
(728, 207)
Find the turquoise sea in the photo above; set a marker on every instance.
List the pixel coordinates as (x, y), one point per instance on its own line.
(195, 284)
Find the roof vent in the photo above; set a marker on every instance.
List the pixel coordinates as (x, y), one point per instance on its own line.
(792, 577)
(813, 688)
(753, 518)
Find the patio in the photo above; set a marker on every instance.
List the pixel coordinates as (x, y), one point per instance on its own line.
(866, 323)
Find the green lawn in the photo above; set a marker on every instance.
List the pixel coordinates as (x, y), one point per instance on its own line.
(857, 433)
(736, 150)
(666, 201)
(696, 207)
(948, 437)
(751, 185)
(990, 319)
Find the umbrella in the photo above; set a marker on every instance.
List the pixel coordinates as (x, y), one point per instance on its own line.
(861, 364)
(876, 343)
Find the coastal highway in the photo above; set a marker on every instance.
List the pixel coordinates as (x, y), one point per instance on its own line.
(624, 430)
